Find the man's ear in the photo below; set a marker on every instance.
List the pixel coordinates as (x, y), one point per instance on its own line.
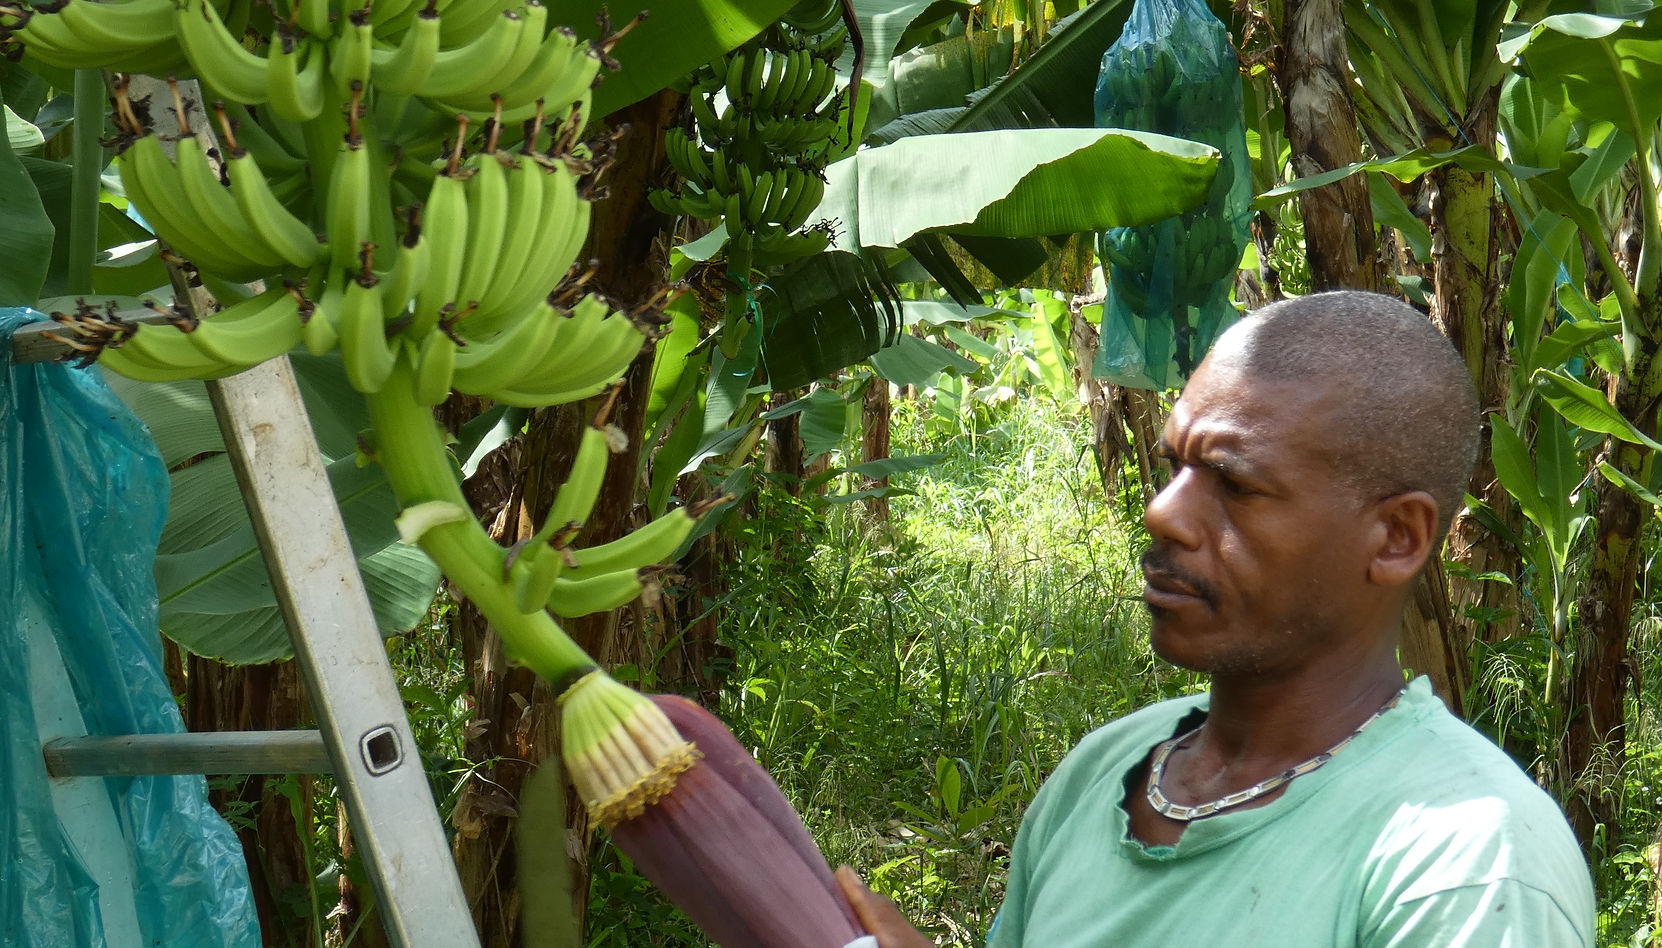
(1406, 528)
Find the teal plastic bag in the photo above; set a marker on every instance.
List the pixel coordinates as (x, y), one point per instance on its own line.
(1173, 71)
(93, 862)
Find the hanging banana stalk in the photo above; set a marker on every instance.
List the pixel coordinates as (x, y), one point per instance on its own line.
(410, 184)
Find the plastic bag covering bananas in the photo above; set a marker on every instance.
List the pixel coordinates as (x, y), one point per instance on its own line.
(764, 119)
(1173, 71)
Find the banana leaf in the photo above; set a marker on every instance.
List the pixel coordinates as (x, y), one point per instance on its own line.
(25, 233)
(824, 313)
(882, 24)
(216, 597)
(1043, 182)
(1599, 68)
(1053, 88)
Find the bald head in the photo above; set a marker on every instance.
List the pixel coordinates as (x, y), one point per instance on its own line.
(1403, 409)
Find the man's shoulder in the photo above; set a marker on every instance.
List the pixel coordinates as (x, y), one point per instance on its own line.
(1455, 810)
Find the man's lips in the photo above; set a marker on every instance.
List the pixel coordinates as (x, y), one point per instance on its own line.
(1167, 592)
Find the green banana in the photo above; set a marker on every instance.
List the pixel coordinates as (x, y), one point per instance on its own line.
(499, 360)
(644, 546)
(295, 91)
(215, 207)
(570, 598)
(444, 229)
(456, 70)
(251, 331)
(534, 574)
(487, 200)
(525, 210)
(347, 213)
(320, 332)
(435, 365)
(365, 351)
(404, 69)
(217, 56)
(575, 498)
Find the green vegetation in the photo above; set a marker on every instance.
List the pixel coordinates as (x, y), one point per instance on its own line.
(910, 685)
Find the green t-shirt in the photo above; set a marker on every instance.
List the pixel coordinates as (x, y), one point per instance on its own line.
(1419, 833)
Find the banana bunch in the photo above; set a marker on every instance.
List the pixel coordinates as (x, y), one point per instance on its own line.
(458, 56)
(763, 119)
(242, 232)
(127, 35)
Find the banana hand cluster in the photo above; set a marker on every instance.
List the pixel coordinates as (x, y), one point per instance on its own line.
(232, 340)
(549, 574)
(764, 117)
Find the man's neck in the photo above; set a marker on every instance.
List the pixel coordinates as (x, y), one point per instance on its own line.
(1271, 722)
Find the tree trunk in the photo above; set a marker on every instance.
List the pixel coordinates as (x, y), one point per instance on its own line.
(1465, 228)
(514, 724)
(1315, 78)
(258, 698)
(1595, 742)
(874, 441)
(783, 455)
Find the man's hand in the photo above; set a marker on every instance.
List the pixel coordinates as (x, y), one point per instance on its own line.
(878, 915)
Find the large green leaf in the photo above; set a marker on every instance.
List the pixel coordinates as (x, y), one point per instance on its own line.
(1535, 275)
(918, 362)
(1027, 183)
(25, 233)
(676, 38)
(1515, 471)
(882, 24)
(21, 134)
(1601, 68)
(1586, 407)
(216, 596)
(1404, 167)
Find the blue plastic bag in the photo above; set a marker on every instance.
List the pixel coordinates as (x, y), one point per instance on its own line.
(115, 861)
(1173, 71)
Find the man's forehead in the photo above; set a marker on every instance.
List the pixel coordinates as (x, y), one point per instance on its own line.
(1230, 408)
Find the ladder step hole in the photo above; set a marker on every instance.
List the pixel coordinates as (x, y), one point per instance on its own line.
(380, 749)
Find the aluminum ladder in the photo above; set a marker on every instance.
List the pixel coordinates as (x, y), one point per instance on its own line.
(363, 736)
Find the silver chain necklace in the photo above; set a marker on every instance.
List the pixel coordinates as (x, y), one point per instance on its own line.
(1183, 814)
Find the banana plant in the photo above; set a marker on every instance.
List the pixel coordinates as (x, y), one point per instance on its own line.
(1432, 80)
(1605, 70)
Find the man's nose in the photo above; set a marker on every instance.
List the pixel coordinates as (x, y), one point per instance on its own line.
(1171, 516)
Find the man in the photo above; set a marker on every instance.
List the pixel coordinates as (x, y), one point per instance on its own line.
(1318, 456)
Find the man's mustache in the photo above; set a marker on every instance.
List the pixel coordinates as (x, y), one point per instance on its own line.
(1160, 562)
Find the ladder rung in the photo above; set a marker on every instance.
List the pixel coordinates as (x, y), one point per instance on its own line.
(223, 752)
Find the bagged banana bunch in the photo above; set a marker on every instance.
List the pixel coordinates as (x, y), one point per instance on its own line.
(1173, 71)
(409, 183)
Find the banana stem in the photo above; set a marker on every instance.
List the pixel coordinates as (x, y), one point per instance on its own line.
(412, 452)
(88, 161)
